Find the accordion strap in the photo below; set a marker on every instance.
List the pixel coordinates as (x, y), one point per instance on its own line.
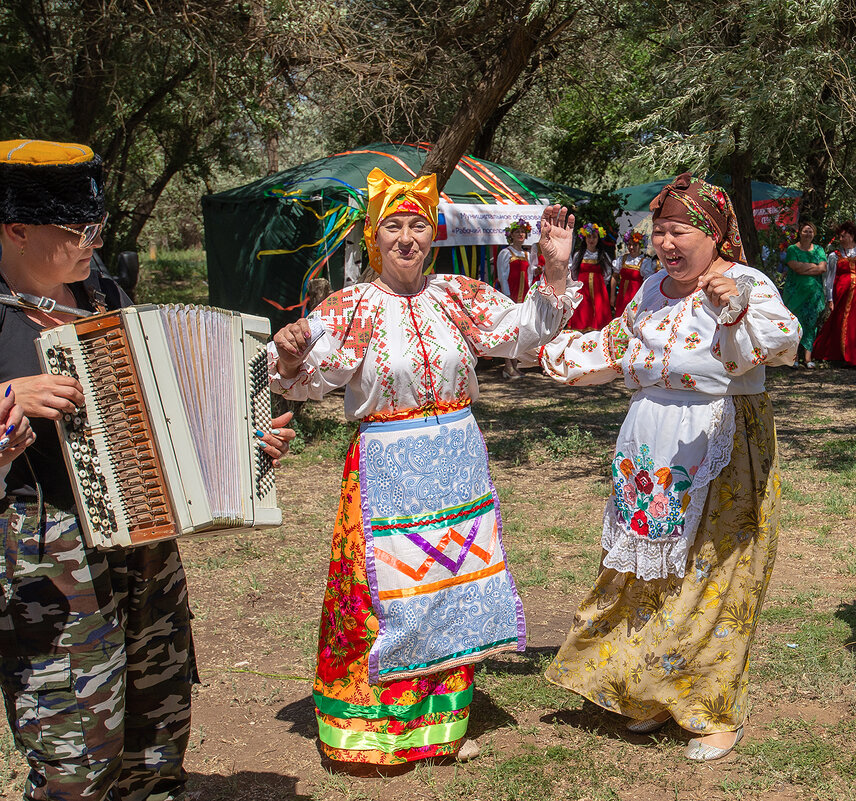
(24, 301)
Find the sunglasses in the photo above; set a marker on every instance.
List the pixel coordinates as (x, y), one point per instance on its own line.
(87, 233)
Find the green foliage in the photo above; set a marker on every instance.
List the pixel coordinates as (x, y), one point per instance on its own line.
(173, 277)
(573, 443)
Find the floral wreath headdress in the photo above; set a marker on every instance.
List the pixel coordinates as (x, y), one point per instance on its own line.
(517, 225)
(590, 229)
(635, 236)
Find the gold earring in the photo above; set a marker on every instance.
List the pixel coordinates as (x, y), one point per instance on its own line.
(22, 250)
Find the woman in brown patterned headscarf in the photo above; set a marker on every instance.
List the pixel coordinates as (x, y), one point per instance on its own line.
(691, 526)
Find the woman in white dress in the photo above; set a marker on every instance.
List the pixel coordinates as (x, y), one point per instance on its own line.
(418, 588)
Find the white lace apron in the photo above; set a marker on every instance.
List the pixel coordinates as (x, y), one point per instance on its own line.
(672, 444)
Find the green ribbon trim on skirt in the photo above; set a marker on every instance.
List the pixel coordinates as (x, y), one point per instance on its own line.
(449, 702)
(376, 741)
(453, 515)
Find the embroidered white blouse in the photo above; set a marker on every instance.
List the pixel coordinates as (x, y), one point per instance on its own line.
(685, 358)
(394, 352)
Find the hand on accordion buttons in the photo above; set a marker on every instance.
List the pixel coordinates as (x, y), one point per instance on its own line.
(48, 395)
(16, 434)
(274, 441)
(291, 342)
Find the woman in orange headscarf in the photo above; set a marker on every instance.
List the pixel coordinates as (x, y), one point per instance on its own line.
(418, 588)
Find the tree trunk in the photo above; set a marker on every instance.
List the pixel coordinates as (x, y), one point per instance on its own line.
(478, 106)
(272, 153)
(741, 196)
(818, 163)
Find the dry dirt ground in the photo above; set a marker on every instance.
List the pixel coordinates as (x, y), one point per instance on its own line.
(256, 603)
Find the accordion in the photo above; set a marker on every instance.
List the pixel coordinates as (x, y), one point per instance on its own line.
(165, 445)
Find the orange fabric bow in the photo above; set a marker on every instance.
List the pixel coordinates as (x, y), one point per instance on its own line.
(387, 196)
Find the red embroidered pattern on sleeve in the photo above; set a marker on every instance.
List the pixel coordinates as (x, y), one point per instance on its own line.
(470, 307)
(673, 337)
(348, 319)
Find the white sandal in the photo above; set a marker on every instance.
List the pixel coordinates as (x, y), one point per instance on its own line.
(701, 752)
(648, 726)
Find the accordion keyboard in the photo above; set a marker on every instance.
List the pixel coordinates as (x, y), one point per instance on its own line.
(260, 419)
(110, 448)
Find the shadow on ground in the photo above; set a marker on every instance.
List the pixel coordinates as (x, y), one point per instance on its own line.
(244, 785)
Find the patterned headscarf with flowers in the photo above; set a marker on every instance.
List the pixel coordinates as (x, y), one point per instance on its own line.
(704, 206)
(518, 225)
(591, 229)
(386, 196)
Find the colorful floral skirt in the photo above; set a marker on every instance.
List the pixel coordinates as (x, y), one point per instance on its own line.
(363, 718)
(682, 645)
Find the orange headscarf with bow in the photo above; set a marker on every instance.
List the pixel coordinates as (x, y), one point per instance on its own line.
(387, 196)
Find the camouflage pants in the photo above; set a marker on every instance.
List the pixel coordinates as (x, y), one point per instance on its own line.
(96, 661)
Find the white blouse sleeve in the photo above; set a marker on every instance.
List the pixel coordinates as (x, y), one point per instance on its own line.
(755, 327)
(533, 264)
(647, 267)
(340, 329)
(592, 358)
(829, 275)
(503, 270)
(493, 325)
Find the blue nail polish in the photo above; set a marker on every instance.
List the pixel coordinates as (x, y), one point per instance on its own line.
(274, 431)
(259, 432)
(8, 390)
(4, 442)
(10, 429)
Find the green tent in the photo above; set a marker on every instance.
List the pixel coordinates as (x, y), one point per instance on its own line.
(638, 197)
(265, 240)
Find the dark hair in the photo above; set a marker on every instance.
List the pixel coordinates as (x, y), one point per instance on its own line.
(847, 226)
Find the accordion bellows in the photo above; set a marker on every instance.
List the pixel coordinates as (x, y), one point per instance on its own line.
(165, 445)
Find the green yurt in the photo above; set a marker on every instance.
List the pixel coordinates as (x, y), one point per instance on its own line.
(266, 240)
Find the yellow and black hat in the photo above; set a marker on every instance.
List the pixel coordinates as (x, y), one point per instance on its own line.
(50, 182)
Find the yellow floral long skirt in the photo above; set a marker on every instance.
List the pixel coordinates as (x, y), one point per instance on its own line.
(682, 645)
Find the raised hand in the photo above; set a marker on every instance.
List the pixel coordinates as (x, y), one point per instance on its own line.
(557, 236)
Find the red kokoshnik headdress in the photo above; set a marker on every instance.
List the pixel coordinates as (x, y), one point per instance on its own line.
(704, 206)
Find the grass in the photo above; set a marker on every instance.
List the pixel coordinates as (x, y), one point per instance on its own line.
(179, 276)
(261, 596)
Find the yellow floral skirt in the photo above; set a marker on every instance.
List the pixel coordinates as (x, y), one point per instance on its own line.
(682, 645)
